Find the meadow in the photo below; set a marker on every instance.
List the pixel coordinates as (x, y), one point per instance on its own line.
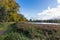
(24, 31)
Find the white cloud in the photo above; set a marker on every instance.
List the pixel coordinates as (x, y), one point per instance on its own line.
(50, 13)
(58, 1)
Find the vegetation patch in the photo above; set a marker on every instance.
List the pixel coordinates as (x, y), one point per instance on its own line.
(19, 31)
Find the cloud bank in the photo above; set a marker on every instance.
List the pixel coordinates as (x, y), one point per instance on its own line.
(50, 13)
(58, 1)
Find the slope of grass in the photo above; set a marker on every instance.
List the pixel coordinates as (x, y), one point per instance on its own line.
(4, 25)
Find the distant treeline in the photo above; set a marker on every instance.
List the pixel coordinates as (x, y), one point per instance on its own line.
(49, 21)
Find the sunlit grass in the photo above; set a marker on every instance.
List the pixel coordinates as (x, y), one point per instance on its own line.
(4, 25)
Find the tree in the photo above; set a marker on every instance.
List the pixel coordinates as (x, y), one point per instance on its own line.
(22, 18)
(9, 11)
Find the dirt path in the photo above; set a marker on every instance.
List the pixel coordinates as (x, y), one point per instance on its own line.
(6, 28)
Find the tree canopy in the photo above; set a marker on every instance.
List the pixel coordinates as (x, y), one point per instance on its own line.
(9, 11)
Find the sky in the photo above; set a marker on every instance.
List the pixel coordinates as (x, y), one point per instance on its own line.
(40, 9)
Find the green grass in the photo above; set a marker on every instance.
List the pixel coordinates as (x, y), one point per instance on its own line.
(22, 32)
(4, 25)
(13, 36)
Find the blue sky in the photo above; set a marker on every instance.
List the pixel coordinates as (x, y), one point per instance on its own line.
(32, 9)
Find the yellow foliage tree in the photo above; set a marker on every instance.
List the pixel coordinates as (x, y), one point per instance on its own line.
(8, 11)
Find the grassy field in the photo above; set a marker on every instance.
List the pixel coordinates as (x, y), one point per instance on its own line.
(23, 31)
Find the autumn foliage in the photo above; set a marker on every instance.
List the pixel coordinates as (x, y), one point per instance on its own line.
(9, 11)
